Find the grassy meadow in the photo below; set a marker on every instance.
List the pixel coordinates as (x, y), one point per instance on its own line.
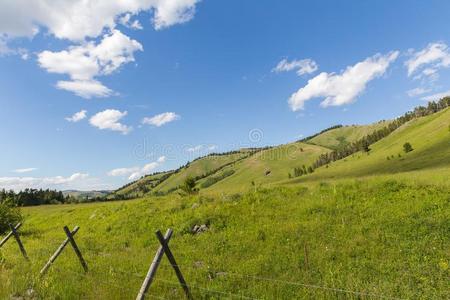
(372, 238)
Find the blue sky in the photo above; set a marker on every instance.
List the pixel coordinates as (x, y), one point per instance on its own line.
(158, 83)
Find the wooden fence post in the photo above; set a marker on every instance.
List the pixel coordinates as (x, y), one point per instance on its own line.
(6, 238)
(173, 262)
(153, 267)
(58, 252)
(75, 248)
(19, 242)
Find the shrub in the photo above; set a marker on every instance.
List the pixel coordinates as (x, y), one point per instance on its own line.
(189, 186)
(8, 214)
(407, 147)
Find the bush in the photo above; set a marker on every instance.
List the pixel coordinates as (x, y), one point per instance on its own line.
(8, 214)
(407, 147)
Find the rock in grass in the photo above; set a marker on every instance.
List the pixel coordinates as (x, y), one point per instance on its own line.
(199, 229)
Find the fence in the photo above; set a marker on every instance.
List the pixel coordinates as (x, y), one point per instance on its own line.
(164, 250)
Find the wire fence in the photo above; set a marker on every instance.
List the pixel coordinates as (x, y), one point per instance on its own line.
(201, 290)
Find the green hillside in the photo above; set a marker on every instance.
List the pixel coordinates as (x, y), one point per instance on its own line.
(266, 167)
(142, 186)
(199, 168)
(429, 137)
(340, 137)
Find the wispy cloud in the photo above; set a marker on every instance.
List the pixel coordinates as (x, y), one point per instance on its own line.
(161, 119)
(428, 60)
(417, 92)
(24, 170)
(436, 96)
(303, 66)
(78, 116)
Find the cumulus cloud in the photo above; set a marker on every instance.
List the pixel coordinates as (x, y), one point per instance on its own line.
(76, 117)
(84, 62)
(417, 92)
(20, 183)
(79, 19)
(343, 88)
(437, 96)
(82, 21)
(109, 119)
(161, 119)
(135, 173)
(303, 66)
(429, 60)
(24, 170)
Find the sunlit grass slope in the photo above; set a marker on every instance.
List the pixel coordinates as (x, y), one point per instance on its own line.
(199, 167)
(339, 137)
(142, 186)
(376, 237)
(267, 167)
(429, 137)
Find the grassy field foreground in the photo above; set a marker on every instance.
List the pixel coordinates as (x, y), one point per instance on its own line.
(378, 237)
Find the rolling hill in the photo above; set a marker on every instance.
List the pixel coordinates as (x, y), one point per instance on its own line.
(242, 170)
(429, 137)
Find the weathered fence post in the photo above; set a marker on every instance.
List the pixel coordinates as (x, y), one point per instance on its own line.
(75, 248)
(6, 238)
(174, 264)
(164, 248)
(153, 267)
(16, 236)
(58, 251)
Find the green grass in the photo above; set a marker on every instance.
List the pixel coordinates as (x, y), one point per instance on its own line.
(378, 236)
(339, 137)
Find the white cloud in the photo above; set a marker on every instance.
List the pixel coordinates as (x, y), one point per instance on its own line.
(123, 171)
(78, 19)
(304, 66)
(168, 13)
(134, 173)
(20, 183)
(84, 62)
(85, 88)
(161, 119)
(76, 117)
(25, 170)
(437, 96)
(429, 59)
(417, 92)
(340, 89)
(109, 119)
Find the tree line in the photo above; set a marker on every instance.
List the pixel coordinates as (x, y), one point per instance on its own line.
(31, 197)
